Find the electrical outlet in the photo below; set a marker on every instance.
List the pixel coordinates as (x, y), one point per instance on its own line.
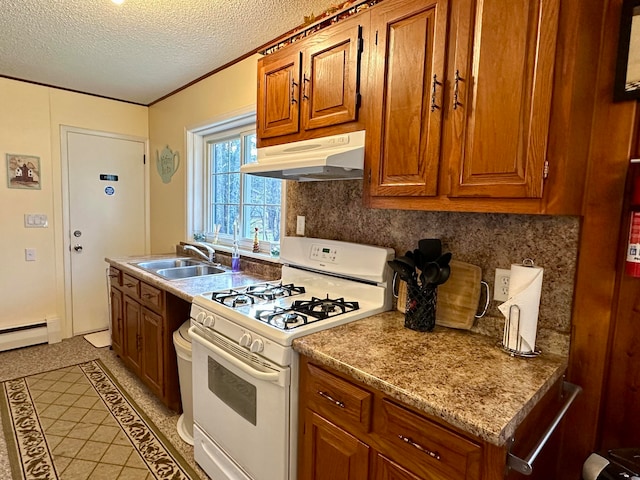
(501, 286)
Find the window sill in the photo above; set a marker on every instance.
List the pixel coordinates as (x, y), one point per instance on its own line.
(264, 256)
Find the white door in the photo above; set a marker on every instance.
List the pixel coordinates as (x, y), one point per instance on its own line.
(106, 218)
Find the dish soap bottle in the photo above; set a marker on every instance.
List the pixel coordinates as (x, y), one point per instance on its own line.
(235, 258)
(235, 253)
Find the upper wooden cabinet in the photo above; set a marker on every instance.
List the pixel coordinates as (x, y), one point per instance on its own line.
(478, 128)
(311, 85)
(501, 77)
(407, 72)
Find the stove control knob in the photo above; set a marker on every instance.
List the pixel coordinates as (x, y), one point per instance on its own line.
(209, 321)
(245, 340)
(200, 317)
(257, 346)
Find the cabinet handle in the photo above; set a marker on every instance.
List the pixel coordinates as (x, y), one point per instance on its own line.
(130, 285)
(305, 80)
(434, 106)
(293, 87)
(331, 399)
(455, 90)
(148, 295)
(435, 455)
(113, 275)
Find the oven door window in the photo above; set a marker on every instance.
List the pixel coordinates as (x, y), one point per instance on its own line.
(236, 393)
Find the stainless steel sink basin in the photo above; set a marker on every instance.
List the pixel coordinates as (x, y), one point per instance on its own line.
(190, 271)
(177, 268)
(167, 263)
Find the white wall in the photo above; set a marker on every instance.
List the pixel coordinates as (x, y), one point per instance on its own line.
(227, 91)
(30, 120)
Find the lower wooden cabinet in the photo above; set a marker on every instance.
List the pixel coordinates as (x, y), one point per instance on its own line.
(143, 319)
(389, 470)
(349, 430)
(332, 453)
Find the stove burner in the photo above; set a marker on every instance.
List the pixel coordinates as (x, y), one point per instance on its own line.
(238, 297)
(281, 318)
(324, 308)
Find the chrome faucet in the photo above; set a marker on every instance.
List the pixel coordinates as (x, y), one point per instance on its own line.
(210, 256)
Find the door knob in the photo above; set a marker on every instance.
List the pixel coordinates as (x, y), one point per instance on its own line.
(78, 248)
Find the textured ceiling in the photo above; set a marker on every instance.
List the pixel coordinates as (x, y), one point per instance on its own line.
(141, 50)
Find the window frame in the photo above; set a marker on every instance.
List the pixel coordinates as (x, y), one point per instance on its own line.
(198, 201)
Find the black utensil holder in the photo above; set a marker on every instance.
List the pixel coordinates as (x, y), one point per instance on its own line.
(420, 311)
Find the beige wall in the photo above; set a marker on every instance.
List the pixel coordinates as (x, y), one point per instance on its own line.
(30, 120)
(228, 91)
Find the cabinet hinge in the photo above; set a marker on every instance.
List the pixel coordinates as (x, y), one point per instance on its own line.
(360, 45)
(144, 159)
(545, 171)
(358, 100)
(376, 42)
(369, 176)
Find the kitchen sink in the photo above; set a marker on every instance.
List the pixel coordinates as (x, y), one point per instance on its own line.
(190, 271)
(167, 263)
(177, 268)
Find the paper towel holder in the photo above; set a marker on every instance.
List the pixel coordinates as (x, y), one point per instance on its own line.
(514, 315)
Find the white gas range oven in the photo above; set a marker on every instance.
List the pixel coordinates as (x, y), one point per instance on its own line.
(245, 372)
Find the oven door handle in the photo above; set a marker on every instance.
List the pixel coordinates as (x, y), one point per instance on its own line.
(268, 377)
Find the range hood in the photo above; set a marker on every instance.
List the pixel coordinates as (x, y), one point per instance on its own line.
(338, 157)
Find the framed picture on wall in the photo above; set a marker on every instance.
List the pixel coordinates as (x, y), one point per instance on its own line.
(23, 171)
(627, 82)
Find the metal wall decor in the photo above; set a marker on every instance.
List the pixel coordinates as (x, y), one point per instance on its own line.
(167, 163)
(23, 171)
(627, 82)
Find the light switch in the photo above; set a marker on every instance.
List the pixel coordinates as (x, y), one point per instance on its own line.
(30, 254)
(38, 220)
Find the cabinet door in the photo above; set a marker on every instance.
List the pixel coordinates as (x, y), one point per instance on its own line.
(152, 357)
(331, 62)
(278, 108)
(388, 470)
(501, 69)
(407, 61)
(331, 453)
(131, 337)
(117, 326)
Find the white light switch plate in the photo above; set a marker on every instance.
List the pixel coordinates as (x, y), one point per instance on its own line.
(38, 220)
(300, 225)
(30, 254)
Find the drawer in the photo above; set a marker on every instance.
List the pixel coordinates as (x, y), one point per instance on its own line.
(423, 446)
(131, 285)
(115, 277)
(152, 296)
(338, 400)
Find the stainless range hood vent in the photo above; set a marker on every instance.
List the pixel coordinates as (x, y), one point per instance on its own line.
(339, 157)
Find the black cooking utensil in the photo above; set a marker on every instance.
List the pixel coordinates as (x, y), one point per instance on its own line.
(430, 274)
(444, 259)
(431, 248)
(404, 271)
(445, 272)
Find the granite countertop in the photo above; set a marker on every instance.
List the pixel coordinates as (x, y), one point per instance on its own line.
(185, 288)
(459, 376)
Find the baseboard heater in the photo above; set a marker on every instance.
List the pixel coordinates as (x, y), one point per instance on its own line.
(47, 331)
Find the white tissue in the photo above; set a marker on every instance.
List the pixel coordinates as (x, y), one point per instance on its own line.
(525, 287)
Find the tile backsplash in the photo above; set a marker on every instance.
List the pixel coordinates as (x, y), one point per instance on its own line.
(334, 210)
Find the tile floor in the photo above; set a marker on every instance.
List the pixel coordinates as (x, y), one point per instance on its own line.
(79, 428)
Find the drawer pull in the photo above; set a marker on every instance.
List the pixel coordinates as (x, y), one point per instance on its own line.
(331, 399)
(435, 455)
(112, 275)
(148, 295)
(130, 285)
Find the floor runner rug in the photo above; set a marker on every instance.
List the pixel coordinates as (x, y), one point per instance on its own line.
(77, 423)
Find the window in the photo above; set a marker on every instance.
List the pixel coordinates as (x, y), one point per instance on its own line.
(251, 201)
